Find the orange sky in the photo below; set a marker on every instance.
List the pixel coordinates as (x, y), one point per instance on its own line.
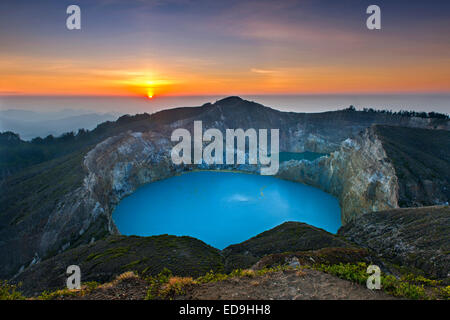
(244, 47)
(66, 77)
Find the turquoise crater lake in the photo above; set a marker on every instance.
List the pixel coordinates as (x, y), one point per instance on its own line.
(223, 208)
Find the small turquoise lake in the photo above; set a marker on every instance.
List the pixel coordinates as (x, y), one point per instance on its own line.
(223, 208)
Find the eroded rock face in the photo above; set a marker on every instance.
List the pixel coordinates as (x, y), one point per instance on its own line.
(359, 174)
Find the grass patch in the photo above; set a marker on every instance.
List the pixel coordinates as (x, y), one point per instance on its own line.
(86, 288)
(407, 286)
(166, 286)
(112, 252)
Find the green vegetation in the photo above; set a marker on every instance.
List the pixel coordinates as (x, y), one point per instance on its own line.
(157, 282)
(110, 256)
(39, 184)
(86, 287)
(111, 253)
(35, 176)
(17, 154)
(404, 113)
(445, 292)
(352, 272)
(9, 291)
(408, 286)
(131, 265)
(287, 237)
(166, 286)
(27, 199)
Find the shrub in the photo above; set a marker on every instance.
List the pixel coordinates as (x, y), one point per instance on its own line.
(156, 283)
(212, 277)
(9, 291)
(86, 287)
(353, 272)
(445, 293)
(175, 286)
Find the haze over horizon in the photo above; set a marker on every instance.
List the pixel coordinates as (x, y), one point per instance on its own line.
(79, 105)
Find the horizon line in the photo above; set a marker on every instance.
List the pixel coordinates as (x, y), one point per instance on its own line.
(227, 94)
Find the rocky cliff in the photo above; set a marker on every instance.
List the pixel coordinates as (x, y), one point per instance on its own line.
(359, 174)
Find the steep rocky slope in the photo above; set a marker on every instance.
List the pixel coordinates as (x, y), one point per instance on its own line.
(414, 237)
(421, 159)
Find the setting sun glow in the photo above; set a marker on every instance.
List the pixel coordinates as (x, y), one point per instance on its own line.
(266, 50)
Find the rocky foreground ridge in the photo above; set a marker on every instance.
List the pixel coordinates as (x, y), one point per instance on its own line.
(77, 193)
(285, 248)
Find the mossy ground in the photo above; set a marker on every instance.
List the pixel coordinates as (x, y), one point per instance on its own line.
(105, 259)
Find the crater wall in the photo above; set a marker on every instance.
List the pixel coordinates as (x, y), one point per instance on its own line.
(358, 174)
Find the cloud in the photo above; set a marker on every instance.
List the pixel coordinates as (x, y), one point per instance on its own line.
(262, 71)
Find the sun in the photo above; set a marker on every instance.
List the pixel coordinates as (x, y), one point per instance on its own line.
(149, 94)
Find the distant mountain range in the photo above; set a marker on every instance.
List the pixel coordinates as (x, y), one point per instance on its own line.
(31, 124)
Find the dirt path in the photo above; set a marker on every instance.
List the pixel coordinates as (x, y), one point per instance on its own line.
(284, 285)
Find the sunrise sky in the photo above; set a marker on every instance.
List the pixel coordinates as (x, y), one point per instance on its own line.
(197, 47)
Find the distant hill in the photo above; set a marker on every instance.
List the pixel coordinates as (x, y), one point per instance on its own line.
(30, 124)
